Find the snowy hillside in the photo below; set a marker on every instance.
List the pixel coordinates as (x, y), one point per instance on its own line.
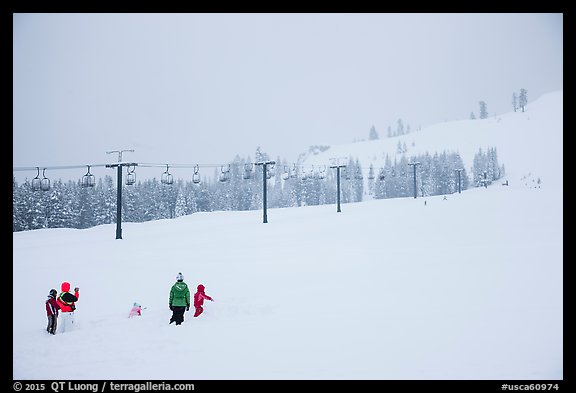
(465, 288)
(470, 287)
(524, 140)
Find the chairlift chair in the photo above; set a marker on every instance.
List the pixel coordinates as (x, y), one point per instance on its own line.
(382, 175)
(285, 174)
(130, 175)
(269, 171)
(247, 171)
(196, 175)
(45, 183)
(224, 174)
(36, 182)
(311, 175)
(167, 177)
(346, 174)
(293, 172)
(88, 180)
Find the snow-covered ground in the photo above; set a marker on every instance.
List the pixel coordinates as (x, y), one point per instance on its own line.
(470, 287)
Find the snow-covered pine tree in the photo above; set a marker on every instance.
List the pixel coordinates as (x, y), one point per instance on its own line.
(373, 135)
(523, 99)
(483, 110)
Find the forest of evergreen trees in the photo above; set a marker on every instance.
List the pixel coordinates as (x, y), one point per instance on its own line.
(70, 205)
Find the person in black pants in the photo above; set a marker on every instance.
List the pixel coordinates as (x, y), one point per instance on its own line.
(52, 308)
(179, 300)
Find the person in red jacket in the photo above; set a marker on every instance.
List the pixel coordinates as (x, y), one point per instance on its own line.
(67, 303)
(199, 297)
(52, 308)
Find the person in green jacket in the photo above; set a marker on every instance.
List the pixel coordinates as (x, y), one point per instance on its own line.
(179, 300)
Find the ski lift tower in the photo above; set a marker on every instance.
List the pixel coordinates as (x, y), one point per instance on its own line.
(119, 165)
(459, 170)
(264, 178)
(415, 189)
(337, 165)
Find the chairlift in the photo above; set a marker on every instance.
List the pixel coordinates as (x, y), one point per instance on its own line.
(130, 175)
(224, 174)
(269, 171)
(322, 173)
(45, 182)
(382, 175)
(88, 180)
(36, 182)
(166, 177)
(346, 174)
(196, 175)
(248, 168)
(285, 174)
(293, 172)
(312, 175)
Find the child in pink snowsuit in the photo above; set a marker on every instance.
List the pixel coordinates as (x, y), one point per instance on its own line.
(199, 297)
(136, 310)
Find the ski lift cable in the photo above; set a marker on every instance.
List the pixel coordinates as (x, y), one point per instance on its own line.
(195, 165)
(57, 167)
(293, 167)
(148, 164)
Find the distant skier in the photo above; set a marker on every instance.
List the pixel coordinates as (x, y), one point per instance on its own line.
(135, 311)
(67, 303)
(199, 297)
(52, 308)
(179, 300)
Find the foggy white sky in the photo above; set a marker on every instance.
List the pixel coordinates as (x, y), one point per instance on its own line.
(201, 88)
